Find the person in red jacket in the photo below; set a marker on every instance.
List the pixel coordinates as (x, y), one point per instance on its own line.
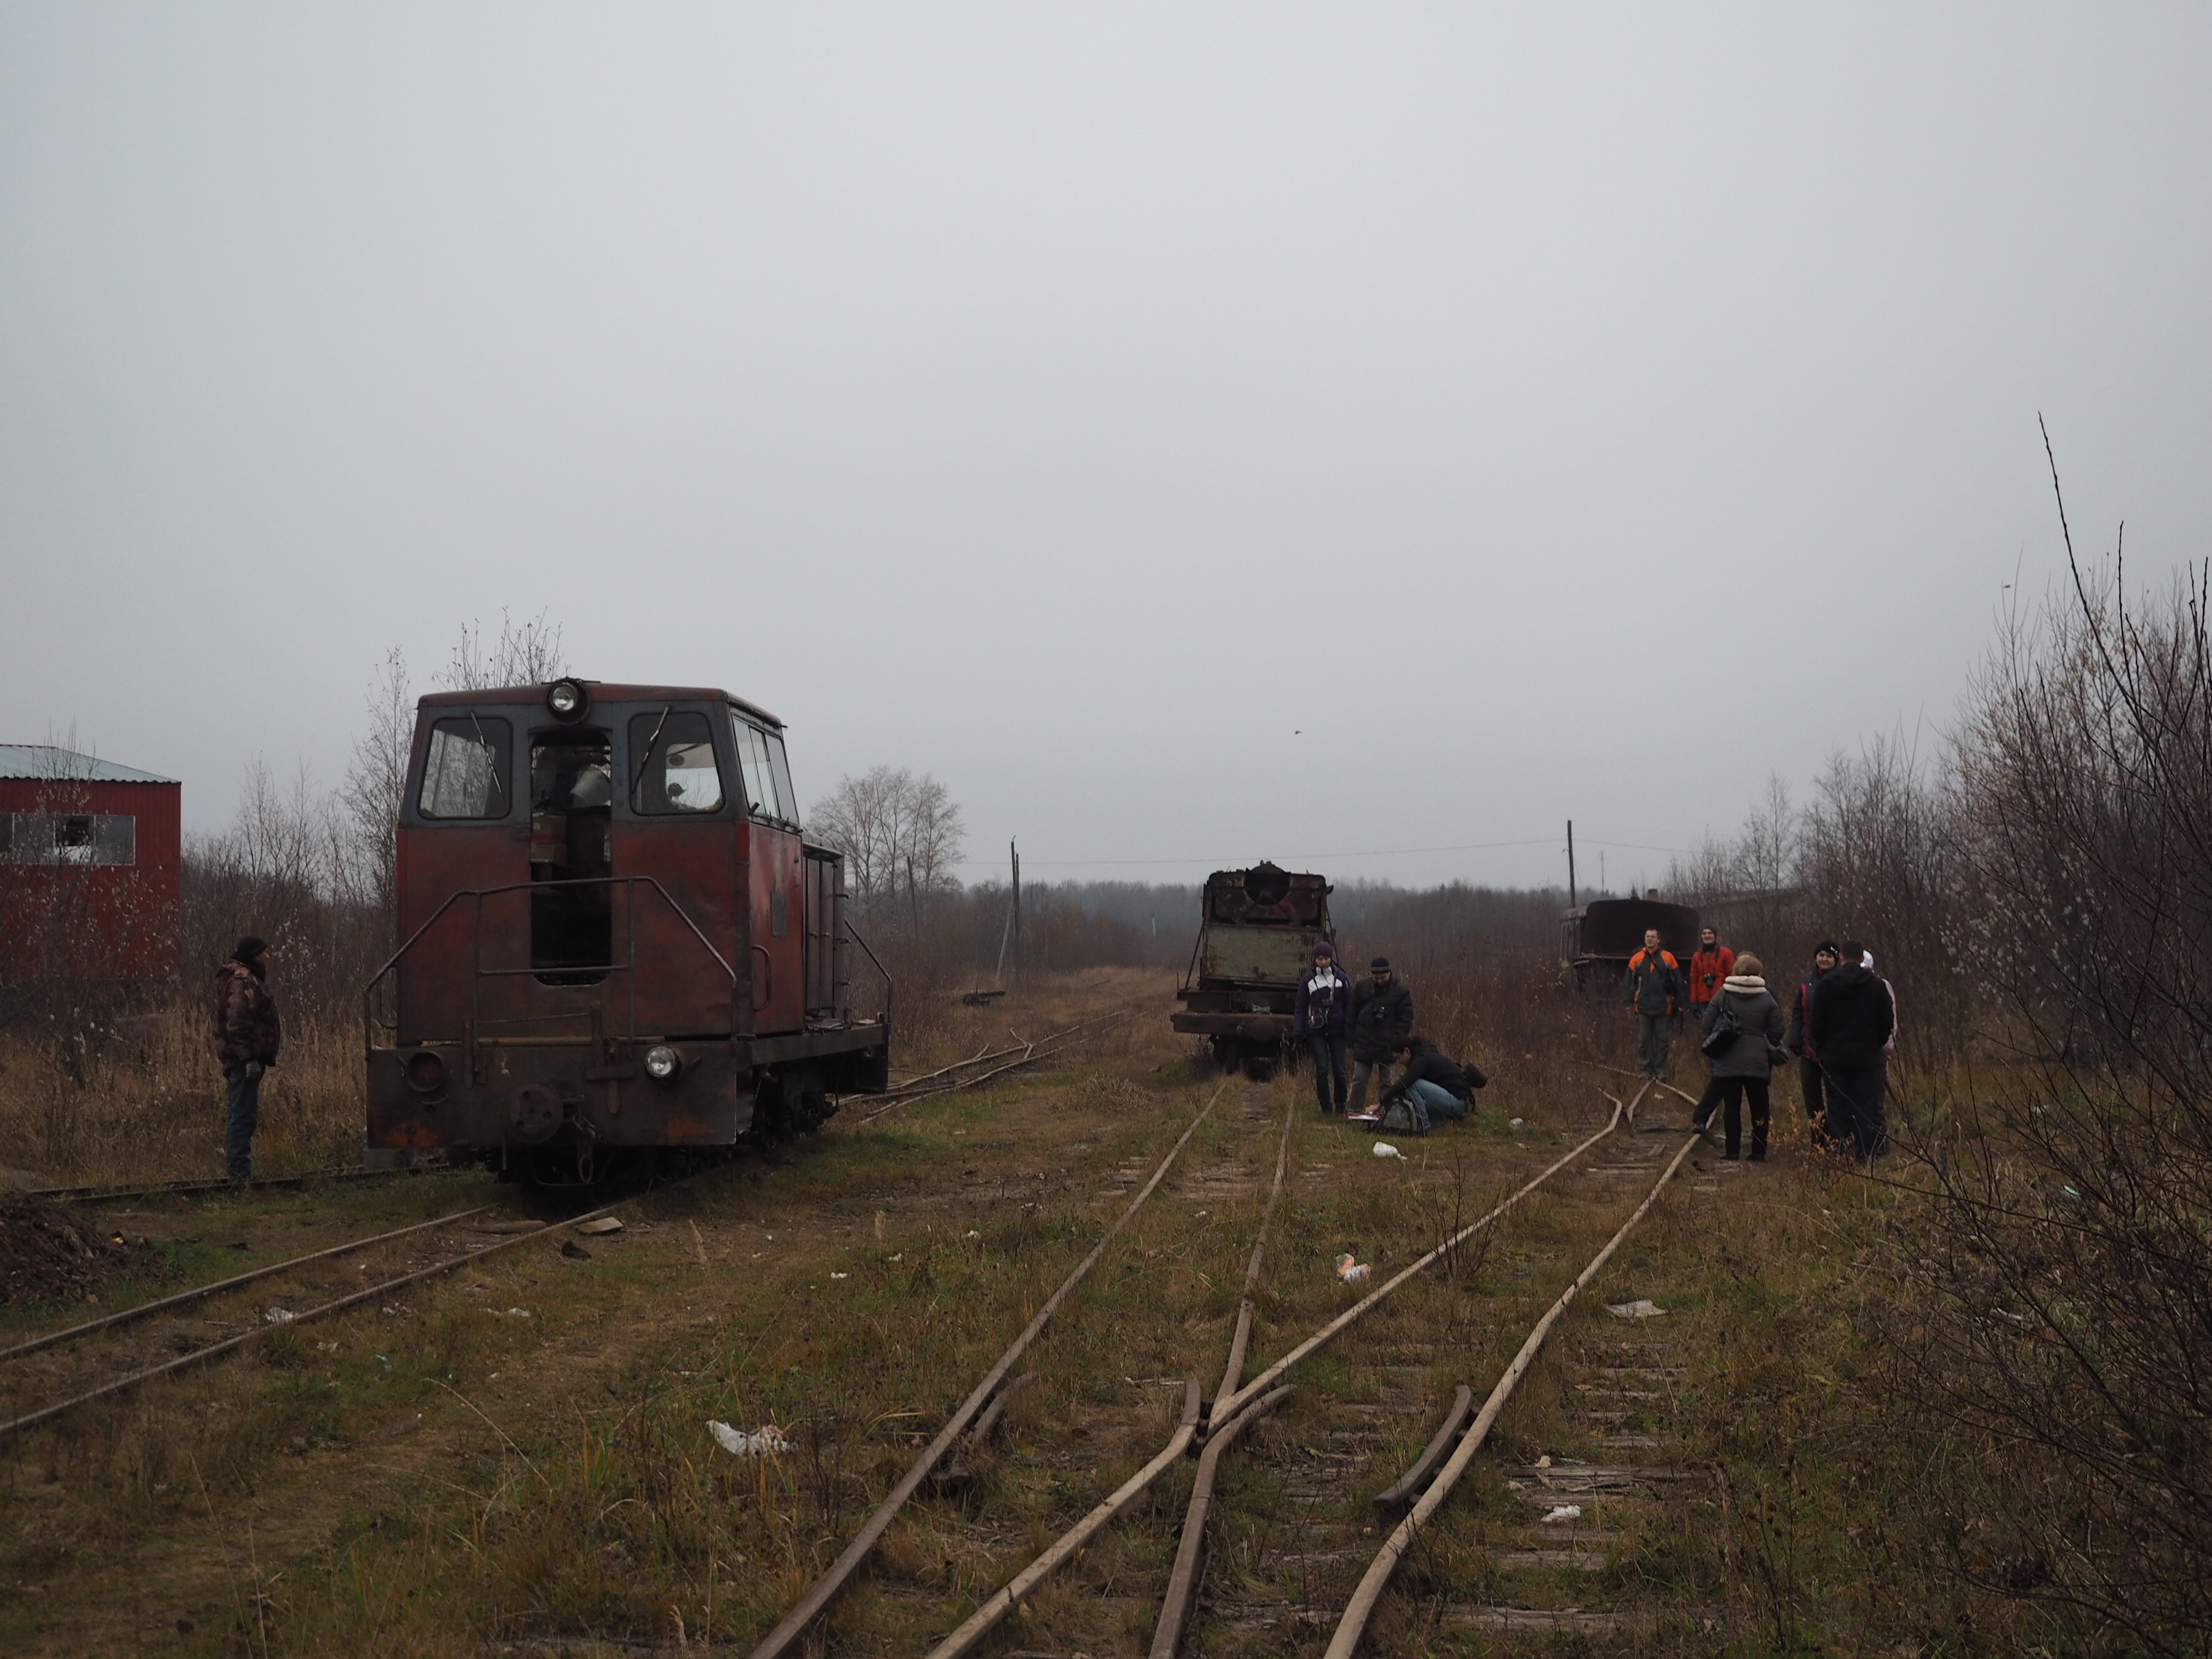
(1709, 963)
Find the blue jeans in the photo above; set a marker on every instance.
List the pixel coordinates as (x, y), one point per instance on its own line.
(1329, 1064)
(1429, 1101)
(243, 1093)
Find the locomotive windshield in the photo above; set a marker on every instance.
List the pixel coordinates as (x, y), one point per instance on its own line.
(676, 767)
(465, 775)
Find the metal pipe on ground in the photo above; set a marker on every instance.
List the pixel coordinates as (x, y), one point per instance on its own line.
(824, 1589)
(1364, 1600)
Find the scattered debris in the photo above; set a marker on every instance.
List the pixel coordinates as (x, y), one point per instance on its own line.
(1352, 1271)
(1640, 1309)
(47, 1251)
(605, 1224)
(1564, 1512)
(971, 1233)
(278, 1317)
(1512, 1122)
(512, 1312)
(574, 1251)
(767, 1441)
(1384, 1149)
(840, 1275)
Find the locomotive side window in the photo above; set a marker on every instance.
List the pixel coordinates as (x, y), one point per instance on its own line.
(752, 763)
(676, 769)
(464, 775)
(781, 769)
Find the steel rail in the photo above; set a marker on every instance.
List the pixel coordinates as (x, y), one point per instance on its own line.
(1001, 1602)
(1408, 1486)
(1373, 1299)
(353, 1300)
(913, 1085)
(786, 1635)
(1182, 1583)
(232, 1283)
(1364, 1600)
(99, 1194)
(1033, 1053)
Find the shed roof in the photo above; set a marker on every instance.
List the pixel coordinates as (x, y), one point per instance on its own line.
(45, 761)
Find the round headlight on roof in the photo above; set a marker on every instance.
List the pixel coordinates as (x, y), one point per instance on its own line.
(568, 699)
(661, 1062)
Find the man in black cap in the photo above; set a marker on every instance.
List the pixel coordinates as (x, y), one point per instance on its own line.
(1381, 1019)
(1799, 1042)
(247, 1036)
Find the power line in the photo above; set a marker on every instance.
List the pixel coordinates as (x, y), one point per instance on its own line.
(1371, 853)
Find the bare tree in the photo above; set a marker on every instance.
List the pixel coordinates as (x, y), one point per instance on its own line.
(526, 653)
(901, 835)
(374, 782)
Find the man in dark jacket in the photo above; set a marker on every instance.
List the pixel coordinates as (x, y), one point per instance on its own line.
(1431, 1085)
(1825, 957)
(1848, 1028)
(247, 1036)
(1317, 1020)
(1381, 1019)
(1653, 989)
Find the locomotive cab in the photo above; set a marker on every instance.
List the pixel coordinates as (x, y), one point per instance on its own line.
(614, 942)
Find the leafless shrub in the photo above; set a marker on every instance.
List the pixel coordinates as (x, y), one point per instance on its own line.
(2065, 1282)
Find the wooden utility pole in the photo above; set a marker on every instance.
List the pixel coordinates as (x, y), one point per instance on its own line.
(1571, 864)
(1014, 853)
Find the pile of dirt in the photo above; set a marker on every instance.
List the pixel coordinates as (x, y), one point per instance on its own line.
(47, 1250)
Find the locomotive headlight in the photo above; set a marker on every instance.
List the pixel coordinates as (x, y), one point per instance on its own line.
(662, 1062)
(425, 1072)
(566, 699)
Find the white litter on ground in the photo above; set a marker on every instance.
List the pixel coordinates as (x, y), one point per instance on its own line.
(1564, 1512)
(278, 1317)
(840, 1275)
(1512, 1122)
(765, 1442)
(1352, 1271)
(1639, 1309)
(1384, 1149)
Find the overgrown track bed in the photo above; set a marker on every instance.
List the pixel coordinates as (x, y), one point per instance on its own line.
(72, 1366)
(103, 1194)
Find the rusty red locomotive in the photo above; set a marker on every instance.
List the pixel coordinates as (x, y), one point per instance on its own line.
(616, 946)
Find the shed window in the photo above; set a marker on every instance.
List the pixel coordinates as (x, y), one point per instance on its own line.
(69, 838)
(675, 764)
(466, 772)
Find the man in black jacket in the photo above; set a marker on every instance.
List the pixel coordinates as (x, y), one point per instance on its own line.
(1431, 1085)
(1809, 1082)
(1848, 1028)
(1381, 1019)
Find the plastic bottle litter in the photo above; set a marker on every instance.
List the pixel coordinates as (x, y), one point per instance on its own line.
(1384, 1149)
(1564, 1512)
(1512, 1122)
(1351, 1271)
(766, 1441)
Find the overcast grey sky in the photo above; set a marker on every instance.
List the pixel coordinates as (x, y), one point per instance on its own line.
(1192, 432)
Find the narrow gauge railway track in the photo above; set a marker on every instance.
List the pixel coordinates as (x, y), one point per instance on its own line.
(1235, 1409)
(981, 1068)
(162, 1324)
(101, 1194)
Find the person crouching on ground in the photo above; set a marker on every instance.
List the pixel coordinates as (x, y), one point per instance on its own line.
(1381, 1019)
(1317, 1020)
(1743, 1064)
(1431, 1085)
(247, 1036)
(1653, 990)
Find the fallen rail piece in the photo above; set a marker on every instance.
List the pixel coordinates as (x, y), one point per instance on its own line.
(353, 1300)
(1182, 1583)
(1409, 1485)
(1362, 1605)
(997, 1605)
(786, 1635)
(1032, 1054)
(1373, 1297)
(956, 1476)
(232, 1283)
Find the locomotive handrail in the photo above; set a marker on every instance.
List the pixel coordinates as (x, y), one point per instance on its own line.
(890, 984)
(477, 971)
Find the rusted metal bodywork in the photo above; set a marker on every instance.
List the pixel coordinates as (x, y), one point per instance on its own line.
(613, 936)
(1596, 939)
(1255, 940)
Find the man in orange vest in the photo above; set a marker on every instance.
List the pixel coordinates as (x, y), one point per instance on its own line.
(1711, 963)
(1653, 990)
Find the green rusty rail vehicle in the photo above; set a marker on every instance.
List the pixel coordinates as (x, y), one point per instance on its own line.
(1254, 939)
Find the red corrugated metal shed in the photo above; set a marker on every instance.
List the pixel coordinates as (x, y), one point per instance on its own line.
(91, 856)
